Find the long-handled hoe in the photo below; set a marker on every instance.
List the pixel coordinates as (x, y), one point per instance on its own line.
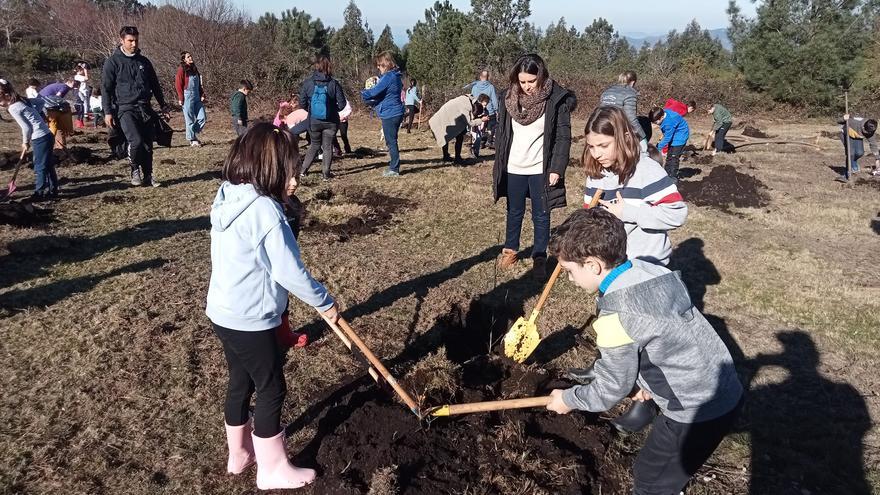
(523, 337)
(12, 187)
(376, 368)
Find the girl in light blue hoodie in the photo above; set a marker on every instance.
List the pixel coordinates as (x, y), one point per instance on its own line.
(255, 264)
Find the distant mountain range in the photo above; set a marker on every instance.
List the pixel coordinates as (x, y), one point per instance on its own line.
(639, 39)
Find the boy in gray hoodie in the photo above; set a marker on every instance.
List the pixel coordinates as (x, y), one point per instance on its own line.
(652, 338)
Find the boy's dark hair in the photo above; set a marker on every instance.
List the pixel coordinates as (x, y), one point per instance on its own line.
(483, 99)
(692, 104)
(33, 82)
(656, 114)
(128, 31)
(869, 128)
(264, 156)
(246, 84)
(590, 232)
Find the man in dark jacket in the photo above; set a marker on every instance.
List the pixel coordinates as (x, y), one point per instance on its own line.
(129, 82)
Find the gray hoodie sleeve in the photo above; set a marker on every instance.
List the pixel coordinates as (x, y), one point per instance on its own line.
(630, 108)
(616, 370)
(286, 268)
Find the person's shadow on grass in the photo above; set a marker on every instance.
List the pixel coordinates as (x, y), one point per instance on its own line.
(805, 432)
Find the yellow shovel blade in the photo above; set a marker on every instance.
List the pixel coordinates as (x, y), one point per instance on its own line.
(521, 340)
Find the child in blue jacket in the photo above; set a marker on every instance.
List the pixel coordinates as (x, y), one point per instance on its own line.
(676, 132)
(255, 264)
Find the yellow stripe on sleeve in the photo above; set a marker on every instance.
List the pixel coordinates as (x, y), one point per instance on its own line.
(609, 331)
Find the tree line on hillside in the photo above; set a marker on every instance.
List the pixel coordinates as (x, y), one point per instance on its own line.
(796, 52)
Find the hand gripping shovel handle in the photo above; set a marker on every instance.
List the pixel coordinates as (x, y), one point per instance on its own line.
(496, 405)
(374, 361)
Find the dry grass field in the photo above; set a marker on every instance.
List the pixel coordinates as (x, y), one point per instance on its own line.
(112, 381)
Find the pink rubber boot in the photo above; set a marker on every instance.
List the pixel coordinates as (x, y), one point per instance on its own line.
(274, 471)
(241, 447)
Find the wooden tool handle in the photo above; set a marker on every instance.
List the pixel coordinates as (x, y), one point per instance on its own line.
(353, 337)
(496, 405)
(18, 166)
(556, 271)
(347, 343)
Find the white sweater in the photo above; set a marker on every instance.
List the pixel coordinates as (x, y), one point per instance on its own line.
(527, 148)
(32, 124)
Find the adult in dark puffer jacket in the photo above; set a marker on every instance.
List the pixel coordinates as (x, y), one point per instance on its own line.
(531, 154)
(322, 131)
(129, 82)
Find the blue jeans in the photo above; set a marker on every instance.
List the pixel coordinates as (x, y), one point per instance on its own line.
(45, 178)
(856, 150)
(390, 127)
(193, 113)
(519, 187)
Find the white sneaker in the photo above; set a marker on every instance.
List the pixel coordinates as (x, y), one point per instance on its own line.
(320, 156)
(195, 144)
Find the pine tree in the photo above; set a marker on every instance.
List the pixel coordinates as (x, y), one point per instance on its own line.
(801, 51)
(352, 46)
(385, 43)
(441, 50)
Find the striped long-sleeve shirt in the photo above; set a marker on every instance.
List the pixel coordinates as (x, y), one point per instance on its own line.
(652, 207)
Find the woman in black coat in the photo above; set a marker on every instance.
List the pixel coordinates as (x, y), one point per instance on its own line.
(531, 154)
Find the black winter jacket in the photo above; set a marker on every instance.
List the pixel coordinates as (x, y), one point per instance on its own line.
(129, 82)
(335, 96)
(557, 144)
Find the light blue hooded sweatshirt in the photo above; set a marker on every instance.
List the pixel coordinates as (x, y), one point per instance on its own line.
(255, 262)
(486, 88)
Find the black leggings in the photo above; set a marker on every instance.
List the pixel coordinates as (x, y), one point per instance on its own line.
(343, 133)
(255, 365)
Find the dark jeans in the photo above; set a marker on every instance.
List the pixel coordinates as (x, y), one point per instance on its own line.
(343, 133)
(239, 129)
(856, 149)
(674, 451)
(138, 125)
(322, 134)
(672, 157)
(390, 127)
(255, 364)
(459, 141)
(45, 178)
(519, 187)
(720, 134)
(410, 115)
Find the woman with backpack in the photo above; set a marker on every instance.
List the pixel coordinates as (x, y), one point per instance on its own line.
(384, 96)
(322, 97)
(190, 95)
(531, 154)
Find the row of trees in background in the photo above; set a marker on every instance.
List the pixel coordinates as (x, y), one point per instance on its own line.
(797, 52)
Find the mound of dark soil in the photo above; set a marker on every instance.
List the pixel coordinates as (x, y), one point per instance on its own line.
(23, 214)
(80, 154)
(725, 187)
(380, 211)
(752, 131)
(90, 138)
(519, 451)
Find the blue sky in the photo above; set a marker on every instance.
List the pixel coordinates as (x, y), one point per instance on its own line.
(632, 18)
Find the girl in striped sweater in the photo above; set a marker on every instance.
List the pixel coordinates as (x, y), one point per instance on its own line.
(635, 188)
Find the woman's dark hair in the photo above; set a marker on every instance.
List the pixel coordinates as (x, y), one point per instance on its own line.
(323, 65)
(590, 232)
(96, 91)
(190, 70)
(266, 157)
(611, 121)
(530, 64)
(8, 93)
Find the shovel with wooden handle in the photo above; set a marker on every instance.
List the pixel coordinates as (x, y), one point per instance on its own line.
(12, 187)
(523, 338)
(495, 405)
(377, 365)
